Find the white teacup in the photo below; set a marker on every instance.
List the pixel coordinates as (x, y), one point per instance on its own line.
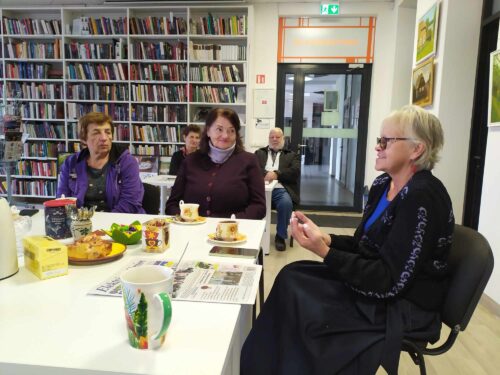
(146, 292)
(189, 211)
(227, 230)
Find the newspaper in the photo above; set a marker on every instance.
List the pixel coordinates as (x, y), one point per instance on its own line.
(199, 281)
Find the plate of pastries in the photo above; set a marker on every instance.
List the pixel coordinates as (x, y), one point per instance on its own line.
(93, 249)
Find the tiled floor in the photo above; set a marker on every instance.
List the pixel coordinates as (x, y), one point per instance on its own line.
(476, 351)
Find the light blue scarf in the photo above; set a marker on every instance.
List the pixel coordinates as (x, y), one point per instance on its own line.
(219, 156)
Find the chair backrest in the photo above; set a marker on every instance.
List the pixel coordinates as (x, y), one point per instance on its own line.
(151, 199)
(471, 264)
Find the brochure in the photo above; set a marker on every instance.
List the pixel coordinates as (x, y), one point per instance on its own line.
(199, 281)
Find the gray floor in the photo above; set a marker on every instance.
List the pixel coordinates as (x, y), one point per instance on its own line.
(318, 188)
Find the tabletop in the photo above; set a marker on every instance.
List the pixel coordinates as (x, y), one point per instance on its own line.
(54, 327)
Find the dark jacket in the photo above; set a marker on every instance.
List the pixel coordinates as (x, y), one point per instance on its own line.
(404, 253)
(288, 170)
(234, 187)
(124, 190)
(176, 161)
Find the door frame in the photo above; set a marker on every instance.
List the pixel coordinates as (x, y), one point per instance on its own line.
(299, 71)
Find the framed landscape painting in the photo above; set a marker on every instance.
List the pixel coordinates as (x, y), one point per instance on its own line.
(494, 100)
(427, 33)
(423, 83)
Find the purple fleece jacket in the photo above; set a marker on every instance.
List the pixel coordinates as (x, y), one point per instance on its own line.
(124, 190)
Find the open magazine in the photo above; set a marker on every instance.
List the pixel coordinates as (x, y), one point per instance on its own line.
(199, 281)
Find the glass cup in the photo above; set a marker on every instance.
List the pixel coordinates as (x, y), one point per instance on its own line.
(155, 235)
(147, 291)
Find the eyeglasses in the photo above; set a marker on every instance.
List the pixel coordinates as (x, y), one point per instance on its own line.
(383, 141)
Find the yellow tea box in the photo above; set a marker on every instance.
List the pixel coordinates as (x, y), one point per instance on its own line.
(45, 257)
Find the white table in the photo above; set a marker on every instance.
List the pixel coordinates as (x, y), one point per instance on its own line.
(164, 182)
(53, 326)
(266, 238)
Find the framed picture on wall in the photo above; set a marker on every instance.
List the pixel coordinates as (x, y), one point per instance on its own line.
(427, 33)
(494, 99)
(423, 83)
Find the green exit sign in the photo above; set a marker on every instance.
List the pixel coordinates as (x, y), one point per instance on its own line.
(330, 9)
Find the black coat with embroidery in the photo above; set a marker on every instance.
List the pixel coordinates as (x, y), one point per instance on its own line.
(404, 253)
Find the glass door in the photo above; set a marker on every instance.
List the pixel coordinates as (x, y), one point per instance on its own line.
(323, 110)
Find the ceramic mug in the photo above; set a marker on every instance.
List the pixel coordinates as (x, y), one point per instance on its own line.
(155, 235)
(227, 230)
(189, 211)
(148, 311)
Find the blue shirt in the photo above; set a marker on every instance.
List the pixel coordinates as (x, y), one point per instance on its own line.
(381, 206)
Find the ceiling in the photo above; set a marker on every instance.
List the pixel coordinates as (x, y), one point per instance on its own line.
(15, 3)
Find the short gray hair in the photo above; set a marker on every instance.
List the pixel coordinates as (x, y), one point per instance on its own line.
(424, 127)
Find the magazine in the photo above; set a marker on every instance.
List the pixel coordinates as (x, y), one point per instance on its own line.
(199, 281)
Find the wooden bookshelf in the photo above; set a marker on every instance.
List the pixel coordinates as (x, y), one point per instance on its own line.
(154, 70)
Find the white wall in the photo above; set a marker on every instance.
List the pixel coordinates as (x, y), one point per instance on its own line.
(490, 203)
(455, 71)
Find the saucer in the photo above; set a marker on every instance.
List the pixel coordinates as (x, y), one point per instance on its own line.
(199, 220)
(240, 239)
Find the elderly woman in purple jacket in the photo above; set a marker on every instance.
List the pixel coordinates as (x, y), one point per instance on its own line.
(102, 174)
(221, 176)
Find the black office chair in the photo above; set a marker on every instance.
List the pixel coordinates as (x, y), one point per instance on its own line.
(471, 263)
(151, 199)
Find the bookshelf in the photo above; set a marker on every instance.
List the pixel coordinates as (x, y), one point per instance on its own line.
(154, 70)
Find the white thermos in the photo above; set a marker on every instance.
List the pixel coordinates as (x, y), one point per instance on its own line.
(8, 251)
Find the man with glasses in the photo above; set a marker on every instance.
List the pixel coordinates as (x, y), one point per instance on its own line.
(278, 163)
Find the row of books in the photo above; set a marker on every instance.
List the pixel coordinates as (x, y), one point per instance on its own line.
(30, 26)
(45, 130)
(99, 26)
(41, 188)
(217, 52)
(103, 72)
(210, 25)
(212, 73)
(97, 91)
(158, 72)
(212, 94)
(35, 90)
(27, 70)
(158, 25)
(34, 50)
(158, 93)
(156, 133)
(43, 149)
(121, 132)
(162, 150)
(119, 112)
(159, 50)
(159, 113)
(36, 168)
(85, 50)
(42, 110)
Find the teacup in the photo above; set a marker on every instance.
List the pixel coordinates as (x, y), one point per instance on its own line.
(189, 211)
(148, 311)
(227, 230)
(155, 235)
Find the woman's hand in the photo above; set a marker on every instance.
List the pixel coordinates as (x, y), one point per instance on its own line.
(308, 235)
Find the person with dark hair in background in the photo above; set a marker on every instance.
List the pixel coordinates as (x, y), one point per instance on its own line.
(278, 163)
(191, 137)
(221, 176)
(350, 313)
(102, 174)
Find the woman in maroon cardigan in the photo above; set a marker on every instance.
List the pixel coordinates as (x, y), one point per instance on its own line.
(221, 176)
